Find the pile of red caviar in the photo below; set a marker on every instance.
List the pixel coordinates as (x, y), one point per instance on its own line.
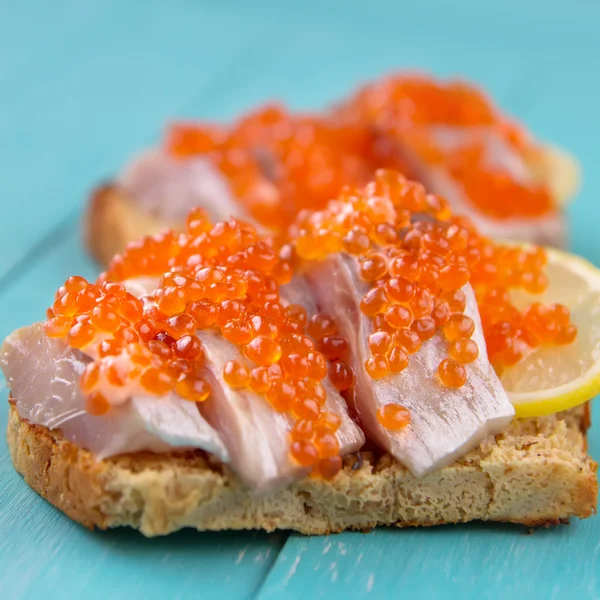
(279, 163)
(417, 258)
(415, 276)
(412, 100)
(414, 255)
(222, 276)
(511, 334)
(411, 109)
(111, 323)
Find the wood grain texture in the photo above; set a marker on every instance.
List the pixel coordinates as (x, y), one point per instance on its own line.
(471, 563)
(84, 84)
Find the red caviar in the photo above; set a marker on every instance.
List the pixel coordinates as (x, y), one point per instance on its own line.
(328, 422)
(236, 375)
(210, 277)
(409, 277)
(333, 346)
(463, 350)
(97, 404)
(393, 417)
(305, 453)
(327, 444)
(415, 280)
(328, 468)
(411, 110)
(414, 257)
(397, 359)
(458, 326)
(341, 375)
(451, 373)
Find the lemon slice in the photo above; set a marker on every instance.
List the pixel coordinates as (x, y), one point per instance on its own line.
(559, 170)
(555, 378)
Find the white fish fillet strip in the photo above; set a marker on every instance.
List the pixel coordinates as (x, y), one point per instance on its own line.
(445, 423)
(546, 229)
(43, 375)
(169, 188)
(256, 435)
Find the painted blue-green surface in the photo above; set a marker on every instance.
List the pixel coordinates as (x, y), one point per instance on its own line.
(84, 83)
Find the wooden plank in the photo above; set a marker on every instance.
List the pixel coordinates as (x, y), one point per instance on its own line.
(326, 61)
(468, 562)
(44, 554)
(26, 36)
(536, 25)
(566, 111)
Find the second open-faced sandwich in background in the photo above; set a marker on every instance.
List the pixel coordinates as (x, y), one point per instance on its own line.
(450, 137)
(273, 163)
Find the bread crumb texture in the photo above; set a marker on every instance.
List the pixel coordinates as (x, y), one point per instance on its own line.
(537, 473)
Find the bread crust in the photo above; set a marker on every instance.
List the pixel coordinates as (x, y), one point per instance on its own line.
(112, 220)
(537, 473)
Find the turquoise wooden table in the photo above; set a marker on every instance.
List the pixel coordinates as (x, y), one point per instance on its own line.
(85, 83)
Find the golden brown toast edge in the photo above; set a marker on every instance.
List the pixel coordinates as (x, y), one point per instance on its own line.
(537, 473)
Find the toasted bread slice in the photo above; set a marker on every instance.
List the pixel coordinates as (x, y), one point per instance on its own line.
(537, 473)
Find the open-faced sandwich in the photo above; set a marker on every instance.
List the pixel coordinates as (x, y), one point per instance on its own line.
(272, 163)
(382, 363)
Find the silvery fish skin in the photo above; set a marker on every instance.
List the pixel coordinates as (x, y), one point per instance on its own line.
(445, 423)
(256, 435)
(169, 188)
(43, 375)
(351, 437)
(548, 229)
(298, 291)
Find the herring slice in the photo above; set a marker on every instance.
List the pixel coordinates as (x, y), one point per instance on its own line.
(170, 188)
(445, 423)
(350, 436)
(256, 435)
(549, 229)
(43, 375)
